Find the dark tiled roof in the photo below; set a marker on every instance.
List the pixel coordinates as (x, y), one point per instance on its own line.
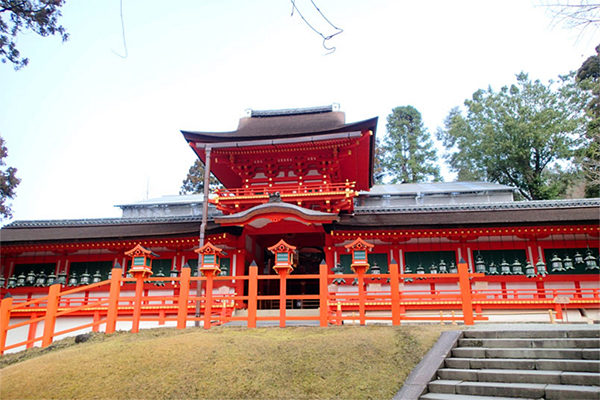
(100, 222)
(512, 205)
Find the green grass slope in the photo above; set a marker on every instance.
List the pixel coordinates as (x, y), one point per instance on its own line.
(222, 363)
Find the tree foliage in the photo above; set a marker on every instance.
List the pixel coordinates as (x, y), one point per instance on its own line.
(8, 182)
(16, 16)
(588, 79)
(409, 155)
(194, 181)
(523, 136)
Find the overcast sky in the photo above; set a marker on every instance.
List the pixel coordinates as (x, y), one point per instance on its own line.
(88, 129)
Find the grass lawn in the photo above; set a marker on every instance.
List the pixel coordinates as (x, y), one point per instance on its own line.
(222, 363)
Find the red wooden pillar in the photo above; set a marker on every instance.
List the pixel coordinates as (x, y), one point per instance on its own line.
(282, 295)
(208, 298)
(137, 304)
(50, 319)
(32, 331)
(252, 295)
(323, 295)
(465, 292)
(362, 295)
(113, 300)
(182, 301)
(395, 292)
(5, 306)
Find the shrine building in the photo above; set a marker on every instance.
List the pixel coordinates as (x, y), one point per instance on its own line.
(305, 176)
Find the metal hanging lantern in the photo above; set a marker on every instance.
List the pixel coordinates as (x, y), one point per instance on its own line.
(40, 280)
(517, 267)
(73, 279)
(453, 268)
(12, 282)
(420, 269)
(2, 281)
(375, 270)
(504, 268)
(20, 280)
(85, 278)
(591, 264)
(408, 270)
(541, 268)
(30, 279)
(97, 277)
(433, 269)
(51, 280)
(338, 270)
(578, 258)
(159, 274)
(62, 278)
(529, 270)
(443, 268)
(479, 265)
(556, 263)
(568, 263)
(173, 273)
(493, 270)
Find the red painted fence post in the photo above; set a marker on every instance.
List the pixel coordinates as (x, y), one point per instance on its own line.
(282, 296)
(5, 306)
(395, 292)
(113, 300)
(208, 299)
(252, 295)
(182, 301)
(323, 295)
(50, 319)
(362, 295)
(137, 305)
(465, 292)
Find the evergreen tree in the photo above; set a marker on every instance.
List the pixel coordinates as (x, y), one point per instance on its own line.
(409, 154)
(8, 182)
(194, 181)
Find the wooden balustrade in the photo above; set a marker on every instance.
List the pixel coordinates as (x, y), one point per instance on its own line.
(334, 307)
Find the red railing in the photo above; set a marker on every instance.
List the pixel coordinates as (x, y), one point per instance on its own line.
(335, 306)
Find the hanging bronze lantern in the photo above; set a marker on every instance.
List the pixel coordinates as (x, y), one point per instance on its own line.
(493, 269)
(173, 273)
(30, 279)
(51, 279)
(578, 258)
(73, 279)
(40, 280)
(97, 277)
(159, 275)
(529, 270)
(62, 278)
(480, 265)
(12, 282)
(541, 268)
(568, 263)
(433, 269)
(85, 278)
(591, 264)
(517, 267)
(504, 268)
(408, 270)
(420, 269)
(21, 280)
(556, 263)
(453, 268)
(443, 268)
(2, 281)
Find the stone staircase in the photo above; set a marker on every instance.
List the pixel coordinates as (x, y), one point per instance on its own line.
(525, 364)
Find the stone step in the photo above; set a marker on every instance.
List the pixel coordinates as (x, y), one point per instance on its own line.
(520, 376)
(523, 390)
(593, 332)
(577, 343)
(526, 353)
(447, 396)
(527, 364)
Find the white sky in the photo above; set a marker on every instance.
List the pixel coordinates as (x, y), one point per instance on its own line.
(88, 129)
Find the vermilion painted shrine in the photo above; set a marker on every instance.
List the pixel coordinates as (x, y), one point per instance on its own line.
(299, 227)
